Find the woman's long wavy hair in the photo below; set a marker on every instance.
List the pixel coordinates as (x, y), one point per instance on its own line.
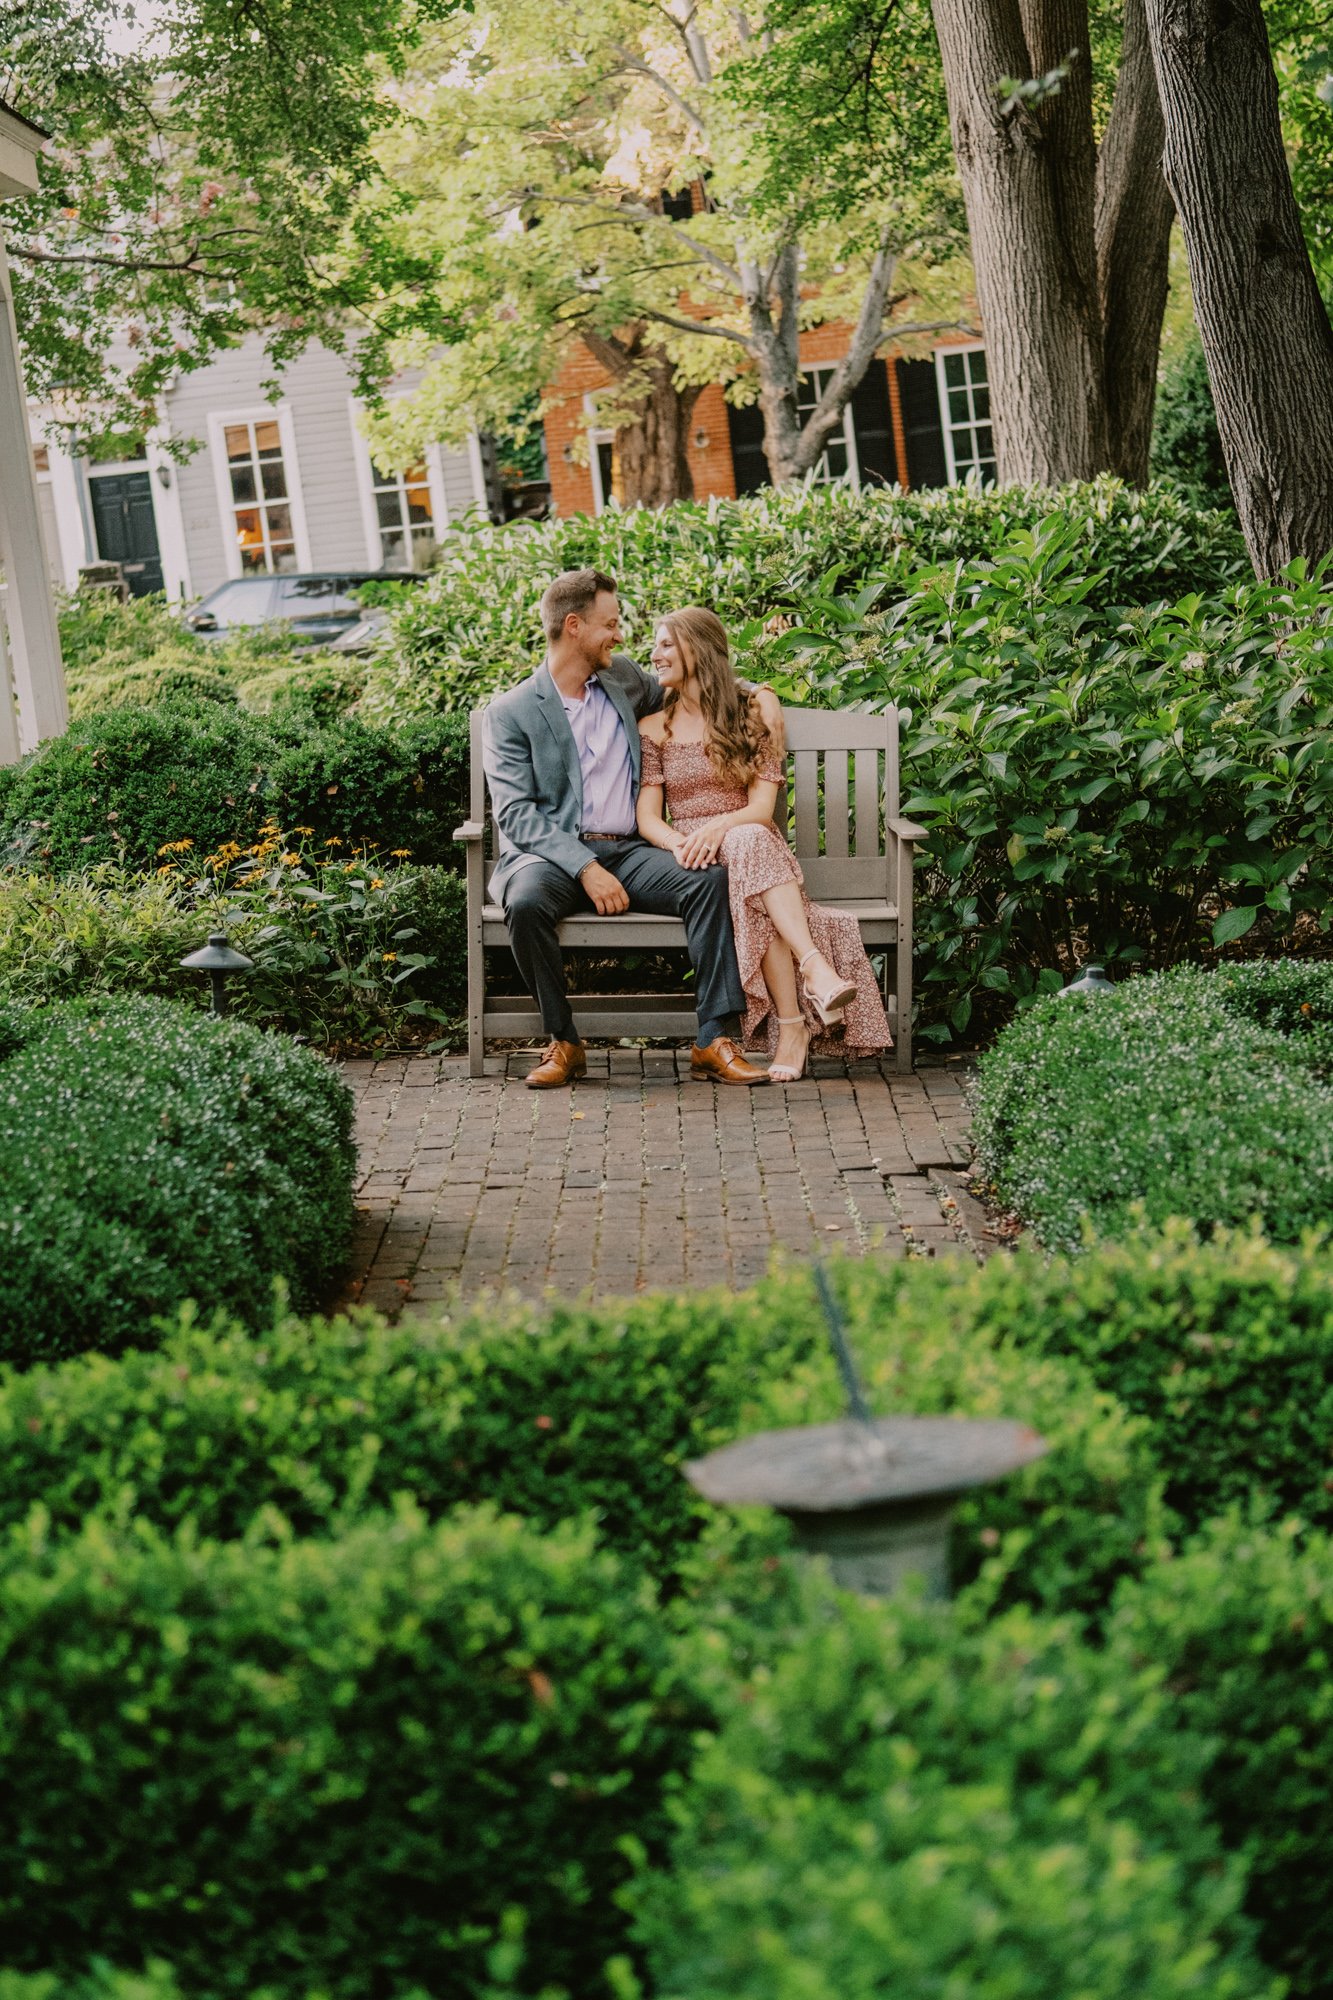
(738, 738)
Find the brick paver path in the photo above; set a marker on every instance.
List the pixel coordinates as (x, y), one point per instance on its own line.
(640, 1178)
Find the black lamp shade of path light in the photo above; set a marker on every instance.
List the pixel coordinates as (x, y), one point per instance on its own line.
(874, 1495)
(218, 958)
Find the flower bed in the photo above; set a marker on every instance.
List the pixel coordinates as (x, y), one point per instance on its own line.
(147, 1157)
(349, 952)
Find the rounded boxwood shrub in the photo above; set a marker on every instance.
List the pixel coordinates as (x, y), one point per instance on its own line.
(1242, 1626)
(123, 784)
(1203, 1094)
(902, 1803)
(149, 1155)
(330, 1767)
(576, 1411)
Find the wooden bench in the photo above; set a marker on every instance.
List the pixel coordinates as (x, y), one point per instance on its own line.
(855, 853)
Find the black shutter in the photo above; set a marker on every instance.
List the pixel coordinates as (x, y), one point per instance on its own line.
(872, 421)
(749, 467)
(918, 392)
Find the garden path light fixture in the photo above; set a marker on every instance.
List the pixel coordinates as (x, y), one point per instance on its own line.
(1092, 979)
(218, 958)
(875, 1495)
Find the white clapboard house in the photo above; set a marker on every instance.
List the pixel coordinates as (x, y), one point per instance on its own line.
(272, 486)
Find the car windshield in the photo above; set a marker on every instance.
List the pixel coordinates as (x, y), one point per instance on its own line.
(248, 601)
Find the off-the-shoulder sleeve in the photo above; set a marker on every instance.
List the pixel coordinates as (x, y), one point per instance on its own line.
(651, 772)
(770, 770)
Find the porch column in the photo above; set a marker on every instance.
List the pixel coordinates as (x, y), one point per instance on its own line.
(29, 606)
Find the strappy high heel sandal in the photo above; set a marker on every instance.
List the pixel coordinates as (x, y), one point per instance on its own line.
(784, 1072)
(828, 1006)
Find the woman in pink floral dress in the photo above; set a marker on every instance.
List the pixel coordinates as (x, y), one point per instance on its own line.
(712, 768)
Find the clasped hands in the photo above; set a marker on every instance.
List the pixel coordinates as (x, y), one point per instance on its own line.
(701, 848)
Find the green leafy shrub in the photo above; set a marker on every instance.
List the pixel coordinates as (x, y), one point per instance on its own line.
(1242, 1627)
(758, 562)
(1185, 443)
(99, 1982)
(1146, 786)
(902, 1803)
(354, 964)
(1179, 1094)
(329, 1766)
(122, 785)
(149, 1156)
(571, 1411)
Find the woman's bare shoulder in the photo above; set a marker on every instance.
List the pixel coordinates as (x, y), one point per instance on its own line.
(653, 726)
(769, 705)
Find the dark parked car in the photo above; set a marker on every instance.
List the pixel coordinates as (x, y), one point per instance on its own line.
(317, 604)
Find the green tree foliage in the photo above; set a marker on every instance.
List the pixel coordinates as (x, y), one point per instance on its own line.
(197, 185)
(541, 141)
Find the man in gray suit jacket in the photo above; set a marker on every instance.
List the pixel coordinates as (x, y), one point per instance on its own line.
(562, 759)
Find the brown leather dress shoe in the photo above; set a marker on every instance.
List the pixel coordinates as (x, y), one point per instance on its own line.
(722, 1062)
(564, 1062)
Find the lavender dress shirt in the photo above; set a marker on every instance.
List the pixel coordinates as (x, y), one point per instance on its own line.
(605, 764)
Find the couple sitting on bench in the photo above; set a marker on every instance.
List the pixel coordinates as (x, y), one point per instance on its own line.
(615, 789)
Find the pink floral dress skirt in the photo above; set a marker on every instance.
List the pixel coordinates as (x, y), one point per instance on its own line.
(758, 859)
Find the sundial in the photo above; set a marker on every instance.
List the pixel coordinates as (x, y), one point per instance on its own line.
(874, 1494)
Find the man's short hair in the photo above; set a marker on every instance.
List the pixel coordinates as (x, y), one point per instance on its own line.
(574, 590)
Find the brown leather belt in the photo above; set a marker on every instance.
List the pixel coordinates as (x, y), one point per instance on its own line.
(606, 836)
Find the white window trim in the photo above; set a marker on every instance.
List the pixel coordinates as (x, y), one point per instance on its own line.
(942, 395)
(853, 478)
(217, 448)
(171, 538)
(365, 487)
(596, 434)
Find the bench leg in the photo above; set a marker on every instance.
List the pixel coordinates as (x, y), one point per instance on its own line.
(476, 968)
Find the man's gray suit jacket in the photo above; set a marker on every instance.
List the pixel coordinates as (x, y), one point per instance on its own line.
(532, 766)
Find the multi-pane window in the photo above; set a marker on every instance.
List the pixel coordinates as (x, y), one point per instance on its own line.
(261, 506)
(405, 516)
(965, 408)
(837, 461)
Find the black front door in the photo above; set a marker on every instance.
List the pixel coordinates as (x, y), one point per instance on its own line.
(126, 527)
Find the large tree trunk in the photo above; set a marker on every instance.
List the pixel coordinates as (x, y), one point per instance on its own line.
(1134, 216)
(652, 450)
(652, 453)
(1029, 177)
(1265, 332)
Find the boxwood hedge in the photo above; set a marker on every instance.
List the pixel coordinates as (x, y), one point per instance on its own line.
(552, 1416)
(1203, 1094)
(329, 1767)
(1226, 1349)
(901, 1803)
(120, 785)
(149, 1155)
(1241, 1624)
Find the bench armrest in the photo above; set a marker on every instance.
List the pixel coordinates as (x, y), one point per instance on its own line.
(470, 830)
(907, 829)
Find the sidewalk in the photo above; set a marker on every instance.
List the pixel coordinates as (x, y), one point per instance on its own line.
(642, 1179)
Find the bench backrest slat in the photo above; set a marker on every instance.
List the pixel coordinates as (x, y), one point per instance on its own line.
(842, 786)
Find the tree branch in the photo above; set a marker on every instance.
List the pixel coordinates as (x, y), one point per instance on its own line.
(628, 60)
(697, 326)
(632, 217)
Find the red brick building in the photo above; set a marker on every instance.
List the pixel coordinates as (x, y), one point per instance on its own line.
(916, 422)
